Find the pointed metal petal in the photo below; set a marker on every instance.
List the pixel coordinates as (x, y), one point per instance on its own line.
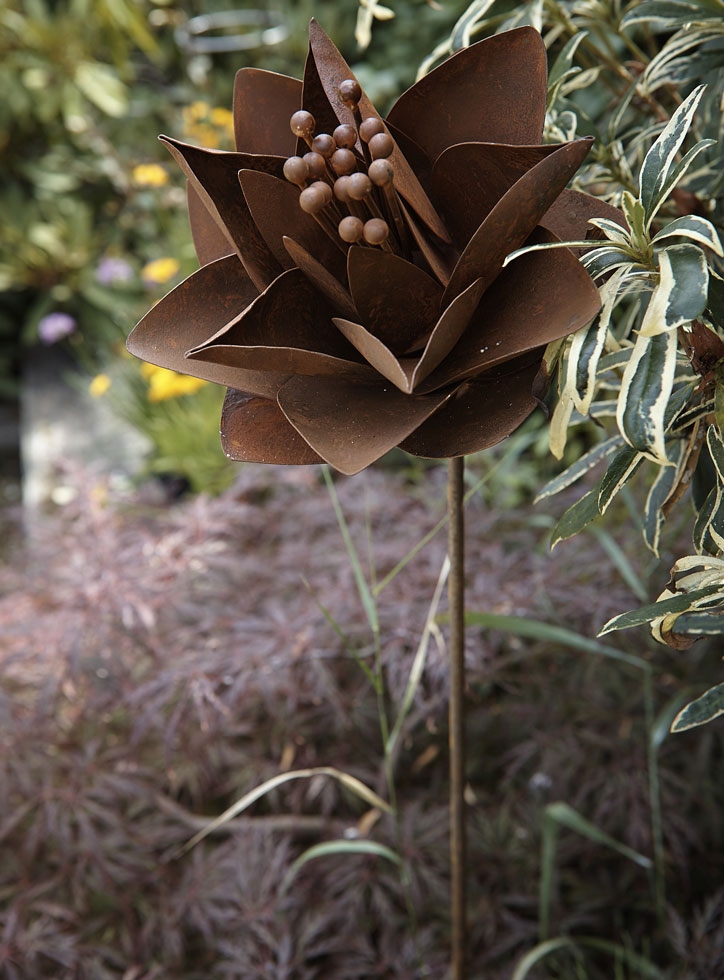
(483, 413)
(254, 430)
(209, 240)
(448, 330)
(540, 297)
(314, 100)
(214, 176)
(263, 104)
(274, 206)
(351, 425)
(399, 372)
(287, 330)
(333, 69)
(397, 302)
(569, 214)
(437, 259)
(468, 180)
(195, 310)
(515, 216)
(493, 91)
(338, 297)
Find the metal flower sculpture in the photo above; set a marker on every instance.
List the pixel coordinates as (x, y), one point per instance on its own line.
(352, 294)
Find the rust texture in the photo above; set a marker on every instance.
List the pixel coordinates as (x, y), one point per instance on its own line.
(351, 294)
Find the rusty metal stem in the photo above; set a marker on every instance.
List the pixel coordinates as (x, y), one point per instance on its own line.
(456, 596)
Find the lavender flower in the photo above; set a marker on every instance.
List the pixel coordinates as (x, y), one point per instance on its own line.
(112, 270)
(55, 326)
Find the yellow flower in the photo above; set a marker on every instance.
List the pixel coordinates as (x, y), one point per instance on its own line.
(149, 175)
(99, 385)
(199, 110)
(160, 270)
(222, 118)
(163, 384)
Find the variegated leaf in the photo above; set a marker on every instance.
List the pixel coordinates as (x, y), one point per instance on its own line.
(560, 421)
(576, 517)
(617, 475)
(645, 389)
(703, 540)
(693, 227)
(704, 709)
(659, 161)
(678, 603)
(635, 215)
(582, 466)
(681, 293)
(587, 346)
(661, 488)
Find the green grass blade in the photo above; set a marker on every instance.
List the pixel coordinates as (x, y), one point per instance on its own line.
(619, 559)
(339, 847)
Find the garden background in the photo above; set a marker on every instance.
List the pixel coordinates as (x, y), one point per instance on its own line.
(177, 629)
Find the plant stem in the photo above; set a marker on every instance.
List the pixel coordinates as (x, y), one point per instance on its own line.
(456, 595)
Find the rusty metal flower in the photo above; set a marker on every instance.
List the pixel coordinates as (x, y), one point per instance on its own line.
(352, 294)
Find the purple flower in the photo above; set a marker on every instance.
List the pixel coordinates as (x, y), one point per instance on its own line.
(112, 270)
(55, 326)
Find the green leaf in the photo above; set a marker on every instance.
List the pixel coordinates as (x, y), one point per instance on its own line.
(338, 847)
(704, 709)
(645, 969)
(645, 389)
(460, 37)
(659, 161)
(710, 623)
(563, 67)
(655, 610)
(566, 816)
(617, 475)
(576, 517)
(635, 215)
(100, 84)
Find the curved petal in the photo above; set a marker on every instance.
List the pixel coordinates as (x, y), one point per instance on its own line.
(438, 260)
(397, 302)
(448, 330)
(482, 413)
(274, 206)
(214, 176)
(515, 216)
(540, 297)
(399, 372)
(494, 91)
(469, 179)
(210, 243)
(333, 69)
(254, 430)
(351, 425)
(195, 310)
(339, 298)
(263, 105)
(287, 330)
(569, 214)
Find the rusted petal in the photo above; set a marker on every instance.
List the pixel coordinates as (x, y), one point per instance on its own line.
(214, 176)
(482, 413)
(287, 330)
(569, 214)
(436, 258)
(448, 330)
(469, 179)
(210, 243)
(397, 302)
(274, 206)
(539, 297)
(399, 372)
(414, 155)
(338, 297)
(263, 104)
(333, 69)
(515, 216)
(314, 100)
(493, 91)
(254, 430)
(195, 310)
(352, 425)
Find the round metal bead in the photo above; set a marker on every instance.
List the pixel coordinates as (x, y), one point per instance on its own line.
(350, 230)
(376, 231)
(349, 91)
(370, 127)
(324, 144)
(381, 146)
(359, 186)
(324, 189)
(343, 162)
(315, 163)
(302, 124)
(380, 172)
(296, 171)
(311, 200)
(345, 136)
(340, 189)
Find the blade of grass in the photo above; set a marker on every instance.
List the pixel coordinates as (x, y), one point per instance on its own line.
(363, 588)
(338, 847)
(369, 674)
(418, 664)
(619, 559)
(353, 784)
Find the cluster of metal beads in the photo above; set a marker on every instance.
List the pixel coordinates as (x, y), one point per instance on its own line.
(350, 195)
